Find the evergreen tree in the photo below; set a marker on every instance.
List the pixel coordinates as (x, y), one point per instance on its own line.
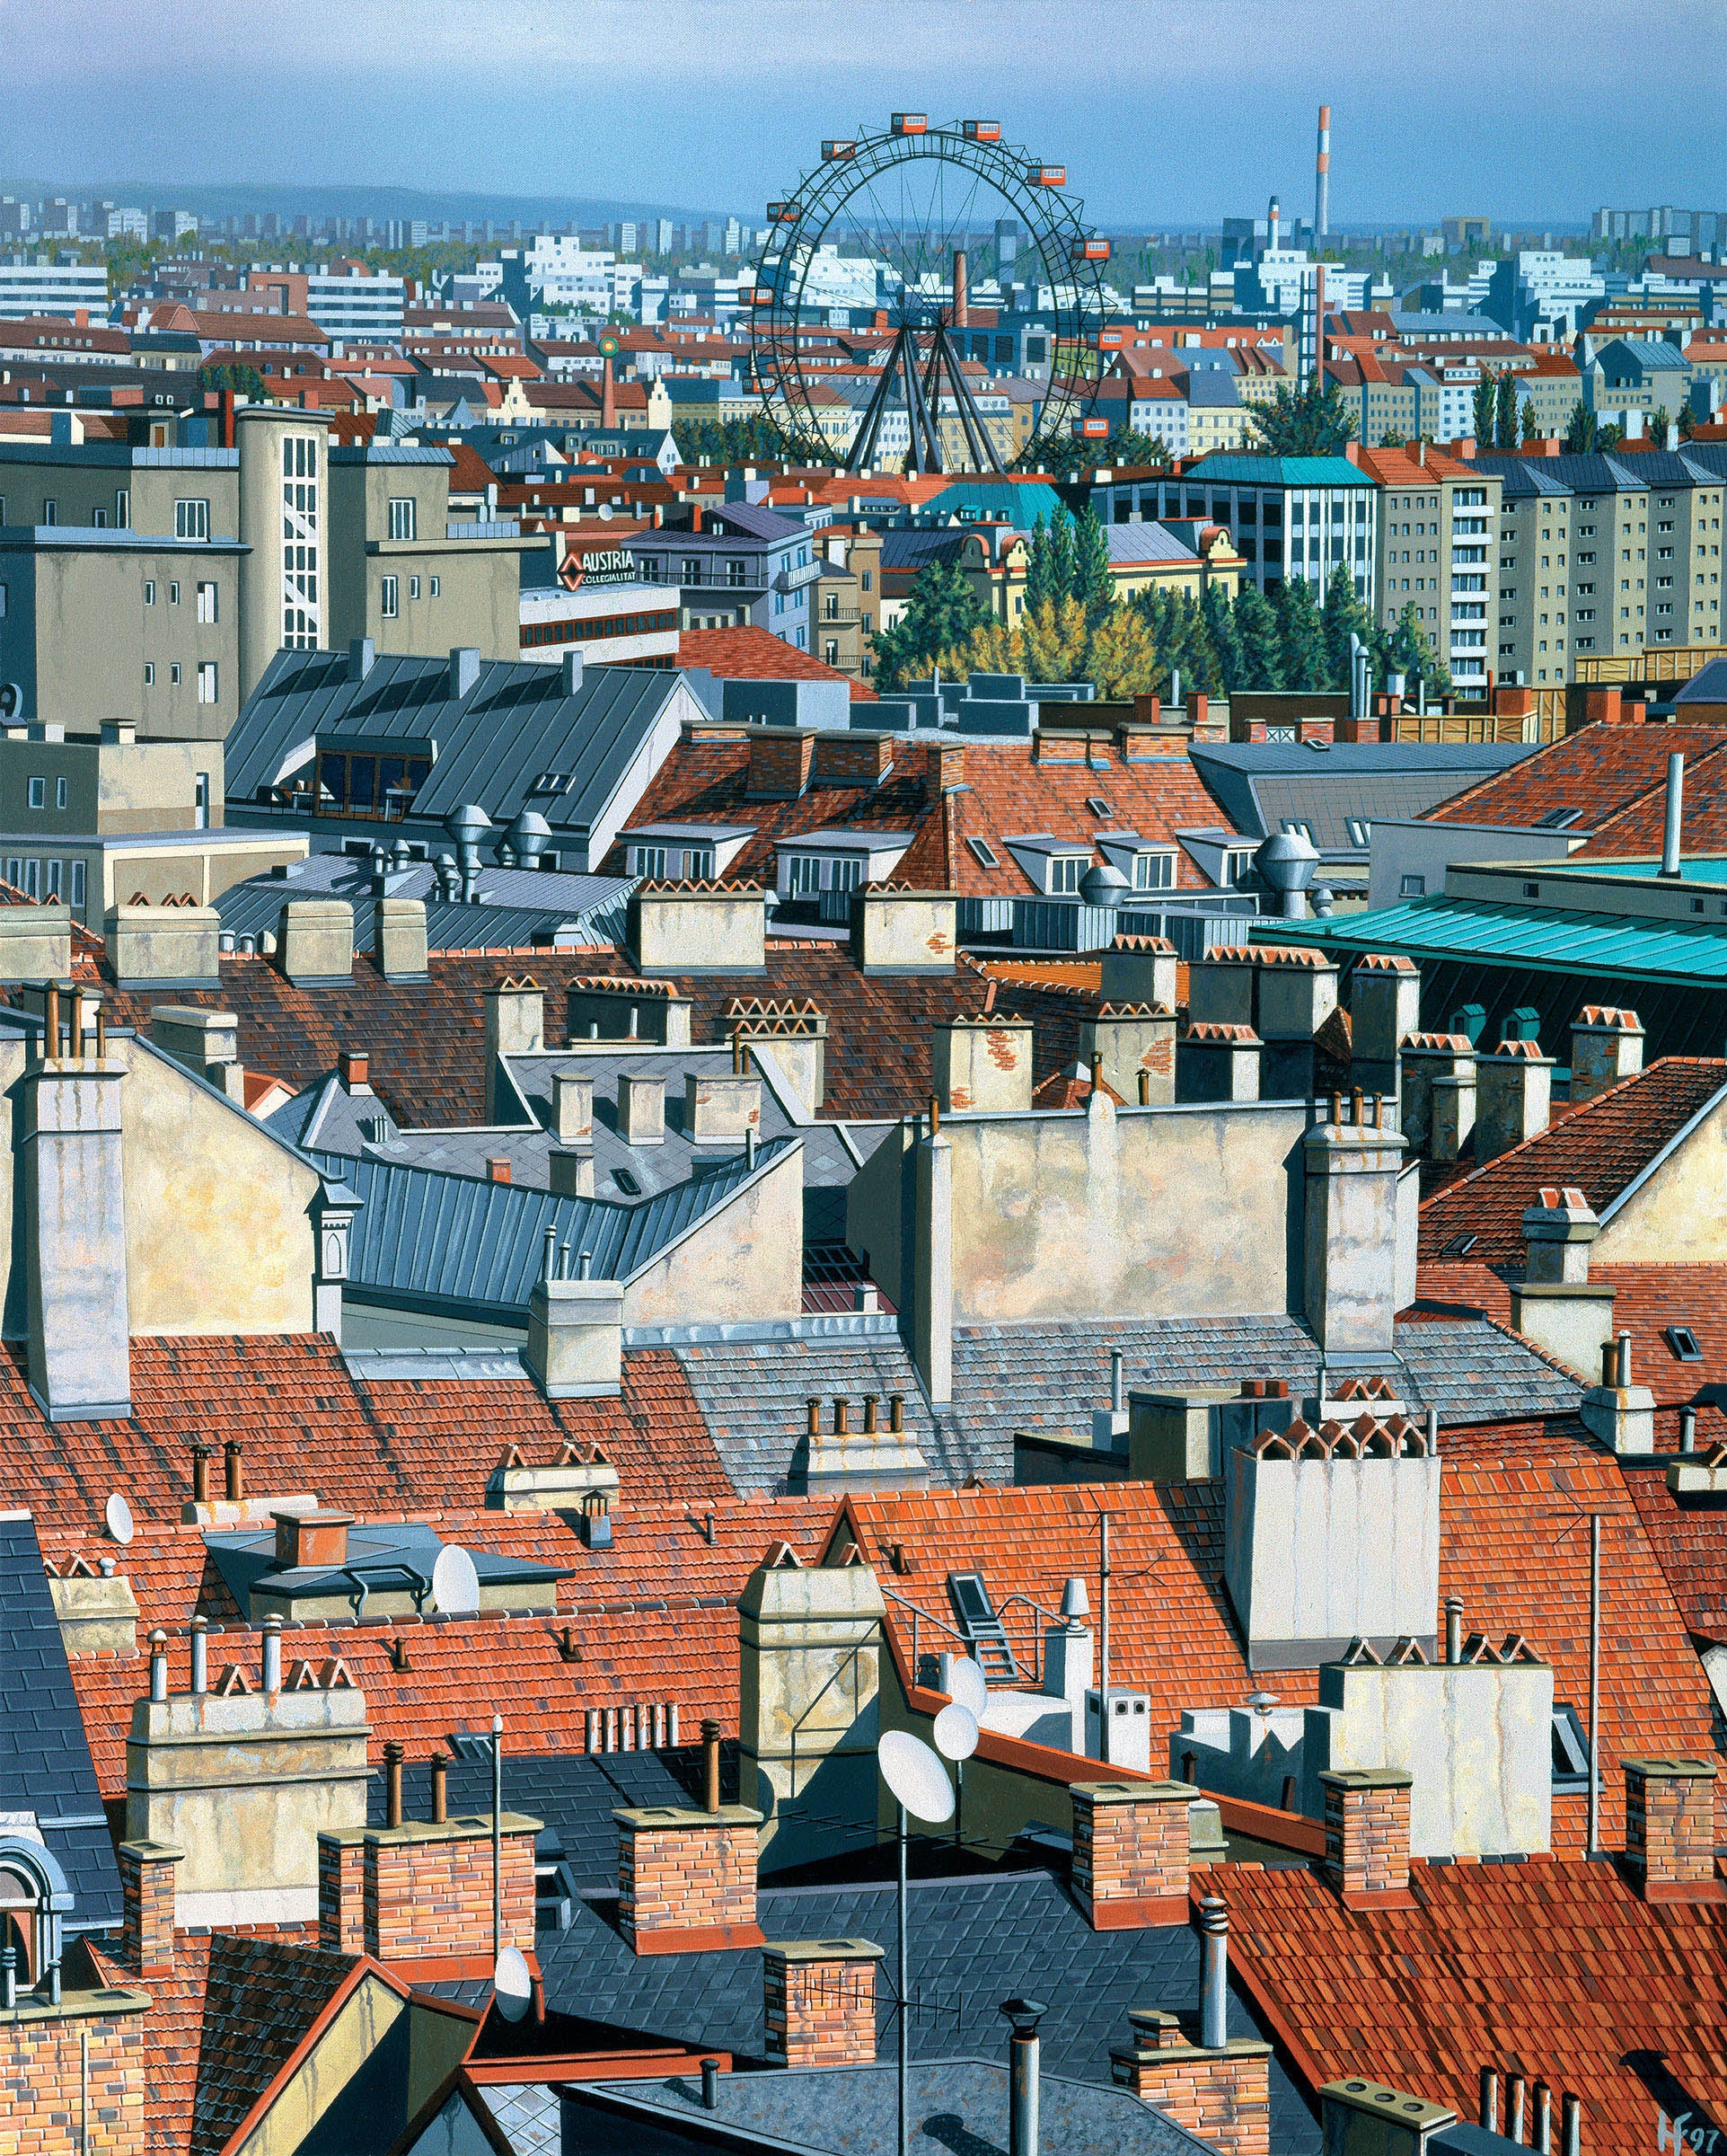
(1411, 654)
(1659, 421)
(1687, 422)
(1092, 585)
(1484, 410)
(941, 612)
(1221, 634)
(1505, 411)
(1531, 425)
(1301, 635)
(1262, 649)
(1039, 590)
(1581, 435)
(1314, 421)
(1343, 616)
(1061, 556)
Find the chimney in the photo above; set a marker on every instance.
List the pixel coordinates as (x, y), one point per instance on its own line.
(515, 1025)
(147, 1945)
(572, 1109)
(932, 1256)
(398, 945)
(782, 759)
(1350, 1166)
(685, 929)
(608, 394)
(1384, 1012)
(1514, 1090)
(962, 313)
(1675, 813)
(362, 655)
(1140, 969)
(1131, 1047)
(1216, 1062)
(1221, 985)
(1670, 1837)
(575, 1348)
(1131, 1852)
(721, 1108)
(819, 2002)
(982, 1065)
(464, 671)
(78, 1358)
(1557, 1231)
(417, 1890)
(1606, 1046)
(896, 931)
(353, 1067)
(574, 673)
(1366, 1836)
(311, 1538)
(1024, 2076)
(1620, 1414)
(1322, 178)
(569, 1170)
(498, 1168)
(314, 942)
(1358, 2115)
(641, 1110)
(686, 1879)
(1218, 2089)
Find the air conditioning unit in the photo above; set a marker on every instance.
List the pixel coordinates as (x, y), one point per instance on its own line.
(1129, 1728)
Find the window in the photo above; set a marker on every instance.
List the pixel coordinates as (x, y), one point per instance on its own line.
(122, 508)
(149, 673)
(864, 579)
(207, 602)
(413, 587)
(738, 573)
(1361, 832)
(1237, 864)
(149, 591)
(626, 1182)
(984, 853)
(1683, 1342)
(173, 594)
(99, 519)
(59, 793)
(50, 511)
(403, 521)
(201, 801)
(647, 861)
(54, 872)
(207, 681)
(433, 587)
(2, 601)
(1065, 870)
(1459, 1246)
(388, 604)
(1570, 1749)
(39, 793)
(1154, 872)
(173, 674)
(192, 520)
(1099, 805)
(1413, 887)
(77, 883)
(1296, 828)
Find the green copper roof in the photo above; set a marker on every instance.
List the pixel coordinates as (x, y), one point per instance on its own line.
(1546, 939)
(1229, 468)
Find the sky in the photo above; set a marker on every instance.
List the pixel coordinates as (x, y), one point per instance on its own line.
(1164, 112)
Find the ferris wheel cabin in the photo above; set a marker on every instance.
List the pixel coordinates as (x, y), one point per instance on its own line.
(1047, 175)
(982, 130)
(909, 123)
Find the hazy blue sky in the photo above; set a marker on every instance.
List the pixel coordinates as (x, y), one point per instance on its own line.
(1163, 110)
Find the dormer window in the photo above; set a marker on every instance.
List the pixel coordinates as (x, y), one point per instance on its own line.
(1064, 872)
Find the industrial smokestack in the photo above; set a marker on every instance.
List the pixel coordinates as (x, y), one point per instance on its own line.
(1273, 218)
(962, 318)
(1675, 811)
(1322, 178)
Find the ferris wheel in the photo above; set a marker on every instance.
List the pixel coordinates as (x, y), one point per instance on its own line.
(880, 242)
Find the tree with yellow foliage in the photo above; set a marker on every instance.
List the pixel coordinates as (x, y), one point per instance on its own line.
(1055, 641)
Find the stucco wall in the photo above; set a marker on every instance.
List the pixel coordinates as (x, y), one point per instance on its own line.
(1678, 1215)
(745, 1260)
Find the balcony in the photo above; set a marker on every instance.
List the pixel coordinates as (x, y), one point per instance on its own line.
(838, 617)
(795, 580)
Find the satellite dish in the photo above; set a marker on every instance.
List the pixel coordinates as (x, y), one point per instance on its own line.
(118, 1516)
(966, 1688)
(512, 1985)
(956, 1732)
(605, 512)
(455, 1585)
(916, 1776)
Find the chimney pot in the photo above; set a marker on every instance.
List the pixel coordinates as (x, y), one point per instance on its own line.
(1214, 1973)
(200, 1655)
(440, 1789)
(235, 1487)
(896, 1411)
(355, 1068)
(813, 1416)
(272, 1655)
(158, 1664)
(200, 1474)
(393, 1755)
(710, 1764)
(498, 1168)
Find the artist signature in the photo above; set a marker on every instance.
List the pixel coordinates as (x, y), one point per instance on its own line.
(1679, 2135)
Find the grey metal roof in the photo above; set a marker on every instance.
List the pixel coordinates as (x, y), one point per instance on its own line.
(379, 1554)
(514, 724)
(1709, 685)
(971, 1943)
(1261, 786)
(454, 1241)
(1145, 542)
(45, 1763)
(389, 453)
(593, 912)
(751, 1394)
(1050, 1377)
(912, 549)
(1602, 474)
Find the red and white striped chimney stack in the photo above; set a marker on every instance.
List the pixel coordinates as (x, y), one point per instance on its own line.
(1322, 178)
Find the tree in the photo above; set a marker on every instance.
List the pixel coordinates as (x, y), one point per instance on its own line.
(1040, 587)
(1411, 653)
(1093, 585)
(1301, 635)
(1658, 423)
(941, 612)
(244, 381)
(1687, 422)
(1262, 649)
(1313, 422)
(1531, 425)
(1061, 556)
(1120, 658)
(1609, 437)
(1221, 634)
(1582, 435)
(1393, 437)
(1484, 410)
(1505, 411)
(1343, 616)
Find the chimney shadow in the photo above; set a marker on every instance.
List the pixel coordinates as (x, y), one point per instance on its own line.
(948, 2130)
(1651, 2070)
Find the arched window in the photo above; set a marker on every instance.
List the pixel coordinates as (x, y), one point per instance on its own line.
(34, 1901)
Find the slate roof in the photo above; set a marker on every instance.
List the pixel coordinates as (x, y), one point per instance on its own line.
(1600, 772)
(455, 1240)
(1051, 1376)
(1599, 1148)
(513, 907)
(1557, 1971)
(514, 723)
(427, 1039)
(973, 1943)
(45, 1763)
(753, 1395)
(1514, 1544)
(1261, 786)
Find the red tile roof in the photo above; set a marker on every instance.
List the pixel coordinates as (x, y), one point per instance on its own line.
(1555, 1971)
(1601, 772)
(1514, 1544)
(1600, 1147)
(752, 654)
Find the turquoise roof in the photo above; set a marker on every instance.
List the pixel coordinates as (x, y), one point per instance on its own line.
(1021, 502)
(1701, 868)
(1231, 468)
(1546, 939)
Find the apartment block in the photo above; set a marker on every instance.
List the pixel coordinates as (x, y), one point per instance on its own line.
(1437, 530)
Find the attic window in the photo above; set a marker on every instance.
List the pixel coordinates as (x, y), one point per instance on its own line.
(1459, 1246)
(1099, 805)
(1559, 819)
(1296, 828)
(627, 1182)
(1570, 1749)
(1684, 1343)
(984, 852)
(553, 781)
(1361, 831)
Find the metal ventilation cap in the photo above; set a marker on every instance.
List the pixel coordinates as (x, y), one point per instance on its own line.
(1287, 860)
(1103, 884)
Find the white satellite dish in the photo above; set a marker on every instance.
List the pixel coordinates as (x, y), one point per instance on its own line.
(455, 1585)
(916, 1776)
(512, 1985)
(966, 1688)
(118, 1516)
(956, 1732)
(605, 512)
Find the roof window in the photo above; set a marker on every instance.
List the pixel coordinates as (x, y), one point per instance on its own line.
(627, 1182)
(984, 852)
(1459, 1246)
(1558, 819)
(1099, 805)
(1684, 1343)
(1570, 1749)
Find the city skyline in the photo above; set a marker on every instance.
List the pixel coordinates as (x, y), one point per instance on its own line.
(1176, 127)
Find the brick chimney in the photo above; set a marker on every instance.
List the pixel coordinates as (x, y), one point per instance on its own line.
(421, 1890)
(781, 761)
(982, 1065)
(1670, 1837)
(819, 2002)
(1366, 1836)
(1131, 1852)
(1606, 1046)
(686, 1879)
(1218, 2089)
(147, 1905)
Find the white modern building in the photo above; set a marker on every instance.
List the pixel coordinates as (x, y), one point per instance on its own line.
(30, 288)
(356, 303)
